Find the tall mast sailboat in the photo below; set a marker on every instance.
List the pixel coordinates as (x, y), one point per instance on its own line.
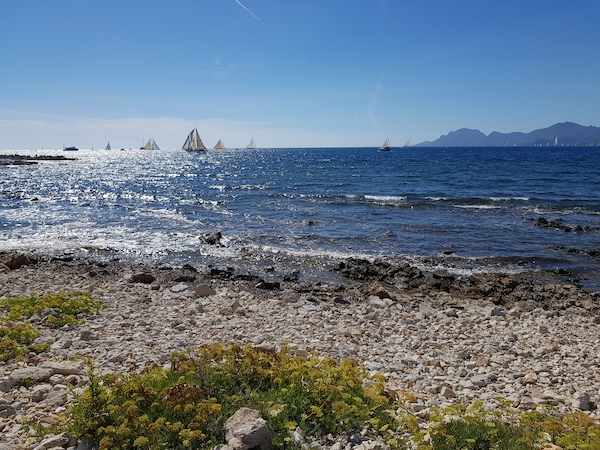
(251, 144)
(386, 146)
(220, 145)
(107, 146)
(150, 145)
(193, 143)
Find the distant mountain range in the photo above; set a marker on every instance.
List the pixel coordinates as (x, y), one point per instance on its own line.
(561, 134)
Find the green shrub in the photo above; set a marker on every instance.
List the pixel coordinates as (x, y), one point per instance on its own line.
(17, 336)
(66, 306)
(186, 406)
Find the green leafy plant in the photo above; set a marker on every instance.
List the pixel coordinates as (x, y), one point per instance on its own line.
(17, 336)
(186, 406)
(64, 307)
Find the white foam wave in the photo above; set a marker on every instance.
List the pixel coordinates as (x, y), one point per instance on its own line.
(477, 206)
(508, 199)
(386, 198)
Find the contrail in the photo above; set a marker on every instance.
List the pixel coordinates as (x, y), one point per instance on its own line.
(375, 100)
(239, 3)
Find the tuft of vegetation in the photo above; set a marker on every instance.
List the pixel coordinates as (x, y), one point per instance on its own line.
(17, 336)
(503, 428)
(187, 405)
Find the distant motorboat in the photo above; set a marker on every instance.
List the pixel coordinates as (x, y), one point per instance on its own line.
(70, 149)
(150, 145)
(251, 144)
(220, 145)
(193, 143)
(386, 146)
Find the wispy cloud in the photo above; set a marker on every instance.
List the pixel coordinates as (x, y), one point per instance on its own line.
(375, 100)
(253, 15)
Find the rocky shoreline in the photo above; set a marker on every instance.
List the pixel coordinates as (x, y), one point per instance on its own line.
(26, 160)
(440, 338)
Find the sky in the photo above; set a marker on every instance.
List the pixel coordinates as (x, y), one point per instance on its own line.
(291, 73)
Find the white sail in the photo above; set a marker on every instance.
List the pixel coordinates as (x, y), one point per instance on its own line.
(107, 146)
(386, 146)
(150, 145)
(193, 142)
(219, 145)
(251, 144)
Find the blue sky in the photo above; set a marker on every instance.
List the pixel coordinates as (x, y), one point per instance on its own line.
(299, 73)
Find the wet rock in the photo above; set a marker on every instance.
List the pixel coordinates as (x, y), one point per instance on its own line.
(144, 278)
(268, 285)
(212, 238)
(14, 262)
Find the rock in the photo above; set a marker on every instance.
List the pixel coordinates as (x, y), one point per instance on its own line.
(530, 378)
(144, 278)
(447, 392)
(39, 392)
(178, 288)
(292, 276)
(35, 374)
(268, 285)
(372, 445)
(5, 385)
(583, 402)
(212, 238)
(377, 291)
(64, 367)
(235, 305)
(203, 290)
(246, 430)
(496, 312)
(480, 380)
(87, 444)
(16, 262)
(379, 302)
(7, 411)
(542, 329)
(87, 335)
(450, 312)
(54, 441)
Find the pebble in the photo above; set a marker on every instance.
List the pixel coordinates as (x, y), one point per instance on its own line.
(437, 348)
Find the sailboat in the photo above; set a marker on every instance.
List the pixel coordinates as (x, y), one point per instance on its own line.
(386, 146)
(219, 145)
(107, 146)
(251, 144)
(193, 143)
(407, 143)
(150, 145)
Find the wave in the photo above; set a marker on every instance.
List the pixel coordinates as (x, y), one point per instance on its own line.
(386, 198)
(477, 206)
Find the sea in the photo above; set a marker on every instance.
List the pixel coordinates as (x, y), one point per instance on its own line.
(464, 210)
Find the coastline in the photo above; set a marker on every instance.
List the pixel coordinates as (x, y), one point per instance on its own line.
(440, 338)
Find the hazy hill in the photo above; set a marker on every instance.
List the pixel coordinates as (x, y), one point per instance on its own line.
(564, 134)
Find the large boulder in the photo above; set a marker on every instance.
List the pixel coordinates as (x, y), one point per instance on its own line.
(14, 262)
(246, 430)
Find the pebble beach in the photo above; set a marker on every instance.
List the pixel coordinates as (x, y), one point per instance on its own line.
(434, 336)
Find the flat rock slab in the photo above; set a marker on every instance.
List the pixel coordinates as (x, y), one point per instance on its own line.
(19, 376)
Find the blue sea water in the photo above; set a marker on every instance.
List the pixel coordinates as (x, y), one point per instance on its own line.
(463, 209)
